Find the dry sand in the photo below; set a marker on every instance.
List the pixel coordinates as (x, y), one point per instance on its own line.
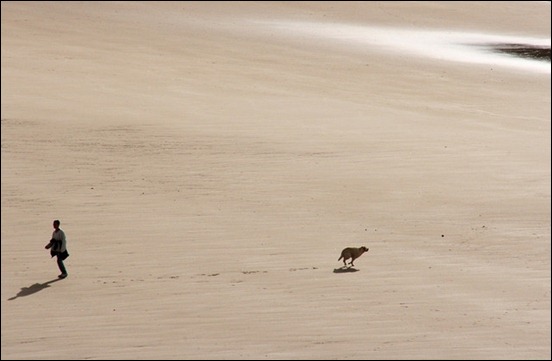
(208, 168)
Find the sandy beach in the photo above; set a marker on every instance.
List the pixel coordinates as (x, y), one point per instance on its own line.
(210, 160)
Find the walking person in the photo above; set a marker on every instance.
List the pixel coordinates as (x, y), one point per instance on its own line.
(58, 248)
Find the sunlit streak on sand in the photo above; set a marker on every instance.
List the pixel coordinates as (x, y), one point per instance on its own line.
(444, 45)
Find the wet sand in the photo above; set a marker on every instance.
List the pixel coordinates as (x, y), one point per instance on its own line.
(524, 50)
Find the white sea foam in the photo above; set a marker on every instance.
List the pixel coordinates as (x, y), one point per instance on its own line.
(454, 46)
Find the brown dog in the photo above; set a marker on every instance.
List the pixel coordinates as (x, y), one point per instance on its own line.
(352, 253)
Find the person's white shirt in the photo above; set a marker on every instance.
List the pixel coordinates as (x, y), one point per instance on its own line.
(60, 236)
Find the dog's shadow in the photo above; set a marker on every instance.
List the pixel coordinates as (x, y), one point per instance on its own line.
(345, 269)
(26, 291)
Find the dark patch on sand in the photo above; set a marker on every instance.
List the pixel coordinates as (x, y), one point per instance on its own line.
(524, 50)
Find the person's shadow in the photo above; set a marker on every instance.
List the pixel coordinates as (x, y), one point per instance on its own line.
(26, 291)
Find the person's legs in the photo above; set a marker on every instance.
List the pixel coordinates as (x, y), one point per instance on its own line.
(61, 266)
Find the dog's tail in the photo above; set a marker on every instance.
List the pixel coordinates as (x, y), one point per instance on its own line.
(340, 258)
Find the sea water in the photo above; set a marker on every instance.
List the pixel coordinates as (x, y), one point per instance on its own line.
(466, 47)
